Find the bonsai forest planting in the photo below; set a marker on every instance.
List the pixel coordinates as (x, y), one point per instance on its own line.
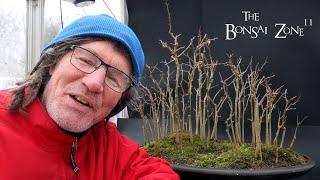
(188, 98)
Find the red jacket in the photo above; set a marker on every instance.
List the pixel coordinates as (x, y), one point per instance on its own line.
(33, 147)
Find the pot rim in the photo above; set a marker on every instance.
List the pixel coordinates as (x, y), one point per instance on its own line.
(249, 172)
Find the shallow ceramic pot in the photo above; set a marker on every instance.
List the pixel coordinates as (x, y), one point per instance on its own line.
(245, 174)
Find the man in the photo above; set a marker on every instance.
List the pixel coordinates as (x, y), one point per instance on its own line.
(54, 125)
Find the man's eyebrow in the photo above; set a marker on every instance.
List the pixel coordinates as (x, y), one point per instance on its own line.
(115, 65)
(94, 53)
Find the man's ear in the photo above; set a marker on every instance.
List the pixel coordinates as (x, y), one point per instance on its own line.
(52, 68)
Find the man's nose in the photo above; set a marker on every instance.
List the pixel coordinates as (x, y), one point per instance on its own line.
(95, 80)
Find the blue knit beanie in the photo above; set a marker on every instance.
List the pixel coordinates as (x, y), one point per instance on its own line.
(105, 26)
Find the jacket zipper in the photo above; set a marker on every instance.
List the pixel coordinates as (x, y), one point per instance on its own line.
(73, 163)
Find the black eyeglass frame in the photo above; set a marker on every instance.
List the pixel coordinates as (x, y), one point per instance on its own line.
(130, 84)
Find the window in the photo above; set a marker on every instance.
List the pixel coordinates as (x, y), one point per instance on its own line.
(12, 42)
(52, 16)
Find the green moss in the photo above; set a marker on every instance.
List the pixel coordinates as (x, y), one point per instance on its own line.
(199, 153)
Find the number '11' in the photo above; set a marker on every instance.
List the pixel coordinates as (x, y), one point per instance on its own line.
(307, 22)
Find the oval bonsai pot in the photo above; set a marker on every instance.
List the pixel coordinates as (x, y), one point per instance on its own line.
(186, 172)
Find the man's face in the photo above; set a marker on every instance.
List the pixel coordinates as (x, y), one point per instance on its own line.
(76, 100)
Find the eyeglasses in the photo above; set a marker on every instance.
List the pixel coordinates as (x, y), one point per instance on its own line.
(87, 62)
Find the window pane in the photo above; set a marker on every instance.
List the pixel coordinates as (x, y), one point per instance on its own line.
(52, 15)
(12, 42)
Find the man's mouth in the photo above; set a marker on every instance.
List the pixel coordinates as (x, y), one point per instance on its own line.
(80, 100)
